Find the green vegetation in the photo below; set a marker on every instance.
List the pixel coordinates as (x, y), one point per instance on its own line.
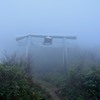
(79, 84)
(82, 81)
(82, 85)
(16, 84)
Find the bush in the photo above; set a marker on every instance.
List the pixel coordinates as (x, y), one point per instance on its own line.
(13, 83)
(16, 84)
(82, 85)
(92, 83)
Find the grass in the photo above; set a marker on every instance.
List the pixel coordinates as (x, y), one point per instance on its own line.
(17, 84)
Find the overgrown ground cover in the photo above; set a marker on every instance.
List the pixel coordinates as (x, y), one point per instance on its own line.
(82, 81)
(17, 84)
(79, 84)
(82, 85)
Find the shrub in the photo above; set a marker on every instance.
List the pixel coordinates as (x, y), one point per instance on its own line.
(82, 85)
(15, 84)
(16, 81)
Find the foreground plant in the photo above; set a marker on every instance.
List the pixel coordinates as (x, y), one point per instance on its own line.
(82, 85)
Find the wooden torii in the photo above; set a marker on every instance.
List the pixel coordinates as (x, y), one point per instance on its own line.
(48, 41)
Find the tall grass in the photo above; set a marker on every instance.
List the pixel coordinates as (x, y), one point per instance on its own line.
(16, 81)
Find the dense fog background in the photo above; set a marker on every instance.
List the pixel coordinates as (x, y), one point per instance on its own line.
(60, 17)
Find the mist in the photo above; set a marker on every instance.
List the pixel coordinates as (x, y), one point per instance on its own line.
(81, 18)
(78, 18)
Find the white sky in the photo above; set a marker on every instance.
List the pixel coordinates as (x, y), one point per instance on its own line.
(81, 17)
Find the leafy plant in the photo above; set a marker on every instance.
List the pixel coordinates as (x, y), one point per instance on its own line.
(16, 83)
(82, 85)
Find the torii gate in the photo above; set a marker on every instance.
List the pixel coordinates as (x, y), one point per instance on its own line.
(48, 41)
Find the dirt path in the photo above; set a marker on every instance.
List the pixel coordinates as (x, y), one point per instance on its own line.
(51, 89)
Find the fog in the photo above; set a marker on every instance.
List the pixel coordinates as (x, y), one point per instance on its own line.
(31, 69)
(80, 18)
